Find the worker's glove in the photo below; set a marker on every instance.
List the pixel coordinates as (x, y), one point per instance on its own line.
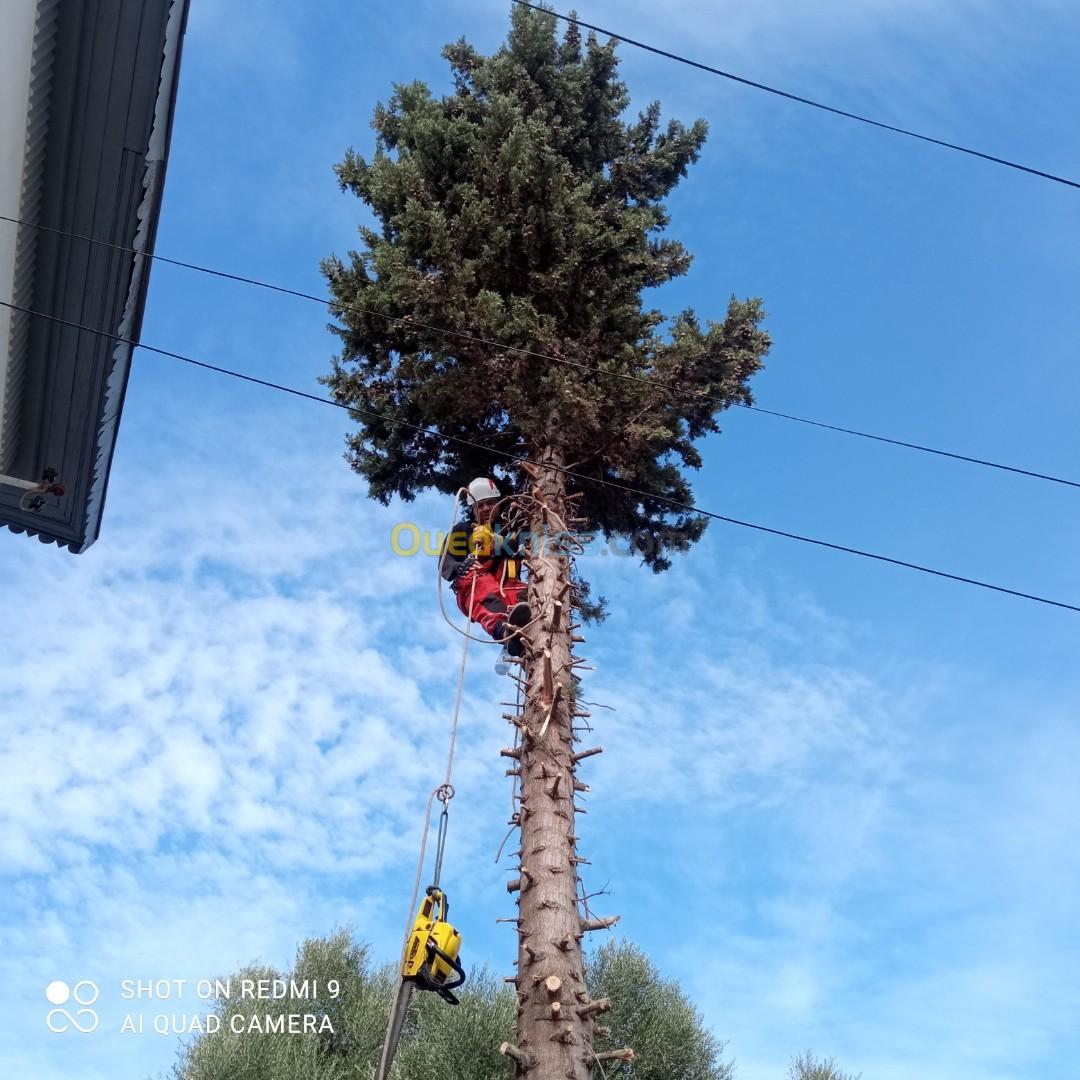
(466, 566)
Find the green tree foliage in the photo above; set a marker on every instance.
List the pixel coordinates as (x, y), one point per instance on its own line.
(525, 208)
(461, 1041)
(653, 1016)
(648, 1013)
(807, 1067)
(357, 1015)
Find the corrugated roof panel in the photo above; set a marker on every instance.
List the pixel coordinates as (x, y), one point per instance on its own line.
(42, 66)
(117, 69)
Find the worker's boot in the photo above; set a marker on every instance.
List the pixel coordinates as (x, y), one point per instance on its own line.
(519, 614)
(510, 631)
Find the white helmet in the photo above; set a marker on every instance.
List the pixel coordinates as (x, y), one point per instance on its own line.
(481, 489)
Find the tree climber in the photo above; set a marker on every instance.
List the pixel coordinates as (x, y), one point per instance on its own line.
(483, 565)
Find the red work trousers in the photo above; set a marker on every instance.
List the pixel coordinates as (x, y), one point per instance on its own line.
(491, 596)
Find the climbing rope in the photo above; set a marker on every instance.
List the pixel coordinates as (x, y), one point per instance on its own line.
(445, 791)
(516, 780)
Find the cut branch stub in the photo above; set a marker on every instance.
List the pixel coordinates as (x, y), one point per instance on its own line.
(581, 755)
(525, 1060)
(550, 711)
(625, 1054)
(600, 924)
(600, 1005)
(515, 884)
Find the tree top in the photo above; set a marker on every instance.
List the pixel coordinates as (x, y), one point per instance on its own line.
(526, 207)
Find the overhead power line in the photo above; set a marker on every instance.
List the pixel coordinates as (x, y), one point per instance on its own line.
(532, 354)
(519, 459)
(797, 97)
(914, 446)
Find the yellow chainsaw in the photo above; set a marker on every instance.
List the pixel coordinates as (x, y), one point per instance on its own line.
(431, 955)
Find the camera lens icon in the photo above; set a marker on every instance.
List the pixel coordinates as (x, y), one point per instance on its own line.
(84, 993)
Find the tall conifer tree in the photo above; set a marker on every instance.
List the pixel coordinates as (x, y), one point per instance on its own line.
(525, 208)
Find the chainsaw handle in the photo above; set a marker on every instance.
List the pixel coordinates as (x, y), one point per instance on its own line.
(439, 904)
(451, 962)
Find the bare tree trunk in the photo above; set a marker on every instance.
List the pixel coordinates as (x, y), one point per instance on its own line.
(556, 1020)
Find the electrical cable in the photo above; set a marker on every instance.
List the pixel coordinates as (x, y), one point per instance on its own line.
(520, 460)
(335, 307)
(798, 98)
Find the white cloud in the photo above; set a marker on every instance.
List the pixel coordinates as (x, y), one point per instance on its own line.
(221, 722)
(238, 726)
(227, 719)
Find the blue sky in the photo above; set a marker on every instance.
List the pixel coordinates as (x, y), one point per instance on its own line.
(856, 783)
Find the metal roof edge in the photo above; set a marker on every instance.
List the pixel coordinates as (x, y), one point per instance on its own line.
(130, 326)
(39, 111)
(47, 537)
